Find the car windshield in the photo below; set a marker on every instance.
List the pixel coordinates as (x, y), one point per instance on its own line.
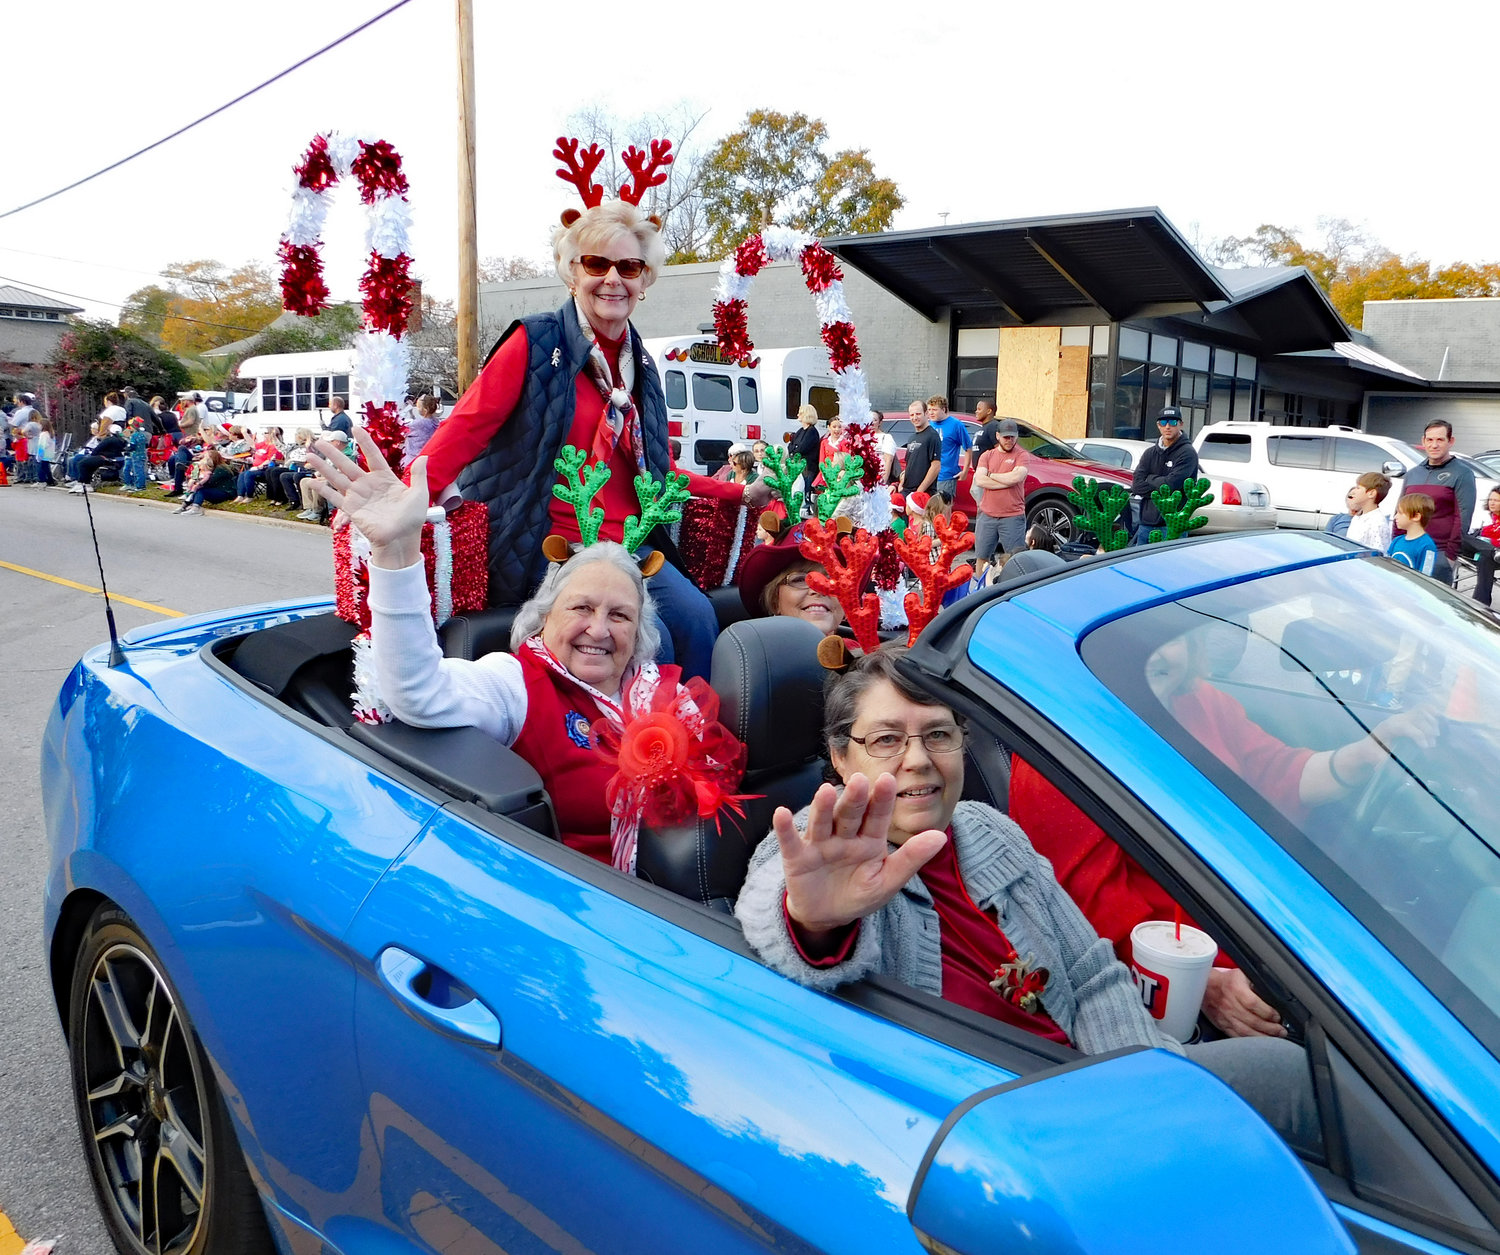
(1042, 445)
(1253, 682)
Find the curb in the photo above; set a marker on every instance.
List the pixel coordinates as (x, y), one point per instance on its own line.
(290, 524)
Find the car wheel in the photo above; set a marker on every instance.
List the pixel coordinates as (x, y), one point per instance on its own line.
(167, 1169)
(1053, 514)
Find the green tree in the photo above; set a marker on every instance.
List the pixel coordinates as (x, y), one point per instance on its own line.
(334, 328)
(96, 357)
(204, 305)
(775, 169)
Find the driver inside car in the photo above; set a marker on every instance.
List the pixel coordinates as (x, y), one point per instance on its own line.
(893, 875)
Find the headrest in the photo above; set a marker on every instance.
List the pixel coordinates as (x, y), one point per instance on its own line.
(1027, 563)
(770, 686)
(478, 633)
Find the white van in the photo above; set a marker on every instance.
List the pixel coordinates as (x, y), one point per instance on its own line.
(713, 402)
(1308, 470)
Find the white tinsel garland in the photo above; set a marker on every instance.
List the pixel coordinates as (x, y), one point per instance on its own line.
(381, 363)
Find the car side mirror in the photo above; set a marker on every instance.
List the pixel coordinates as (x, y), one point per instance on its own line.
(1131, 1151)
(1393, 468)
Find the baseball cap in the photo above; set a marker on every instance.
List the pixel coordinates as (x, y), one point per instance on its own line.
(1171, 414)
(1007, 428)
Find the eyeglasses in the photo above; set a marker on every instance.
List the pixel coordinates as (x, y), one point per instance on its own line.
(948, 739)
(628, 267)
(795, 581)
(1169, 422)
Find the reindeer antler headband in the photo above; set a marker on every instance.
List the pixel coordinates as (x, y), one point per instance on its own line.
(647, 170)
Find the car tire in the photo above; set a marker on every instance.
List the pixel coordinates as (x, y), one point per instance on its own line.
(167, 1168)
(1055, 515)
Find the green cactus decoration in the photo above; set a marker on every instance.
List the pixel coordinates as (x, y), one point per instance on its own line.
(1097, 508)
(579, 485)
(659, 500)
(1179, 510)
(845, 483)
(783, 470)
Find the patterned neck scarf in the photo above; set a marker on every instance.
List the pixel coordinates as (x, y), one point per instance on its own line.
(620, 413)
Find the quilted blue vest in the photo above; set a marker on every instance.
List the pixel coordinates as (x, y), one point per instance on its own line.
(514, 475)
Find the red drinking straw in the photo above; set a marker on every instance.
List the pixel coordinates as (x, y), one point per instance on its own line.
(1177, 917)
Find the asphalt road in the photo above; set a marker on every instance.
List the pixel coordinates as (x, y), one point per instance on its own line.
(150, 555)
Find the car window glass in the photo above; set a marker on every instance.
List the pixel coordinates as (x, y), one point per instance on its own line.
(1299, 451)
(712, 393)
(1043, 446)
(749, 396)
(1389, 1166)
(1250, 681)
(1358, 456)
(824, 400)
(675, 385)
(1226, 448)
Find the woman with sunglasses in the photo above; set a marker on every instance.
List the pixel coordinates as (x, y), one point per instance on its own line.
(578, 376)
(892, 874)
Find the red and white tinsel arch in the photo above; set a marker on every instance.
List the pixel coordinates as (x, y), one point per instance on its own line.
(381, 357)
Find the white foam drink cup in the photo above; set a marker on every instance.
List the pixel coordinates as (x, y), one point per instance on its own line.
(1171, 973)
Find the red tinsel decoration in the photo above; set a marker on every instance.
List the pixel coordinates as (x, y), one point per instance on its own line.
(378, 169)
(302, 288)
(316, 168)
(732, 327)
(750, 258)
(706, 539)
(386, 285)
(673, 764)
(887, 570)
(820, 267)
(388, 432)
(843, 348)
(860, 441)
(469, 531)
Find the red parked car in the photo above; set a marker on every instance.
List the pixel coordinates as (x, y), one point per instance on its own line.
(1054, 463)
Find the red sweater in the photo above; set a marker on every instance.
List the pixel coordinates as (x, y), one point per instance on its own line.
(491, 400)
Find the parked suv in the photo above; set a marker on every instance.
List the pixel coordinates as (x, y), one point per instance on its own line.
(1308, 470)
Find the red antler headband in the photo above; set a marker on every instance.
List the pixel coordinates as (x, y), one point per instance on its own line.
(647, 169)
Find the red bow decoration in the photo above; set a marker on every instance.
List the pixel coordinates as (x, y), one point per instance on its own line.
(674, 763)
(846, 564)
(934, 574)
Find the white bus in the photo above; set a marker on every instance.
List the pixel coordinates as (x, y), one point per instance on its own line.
(713, 402)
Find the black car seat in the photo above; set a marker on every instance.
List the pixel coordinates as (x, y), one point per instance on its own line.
(477, 633)
(770, 686)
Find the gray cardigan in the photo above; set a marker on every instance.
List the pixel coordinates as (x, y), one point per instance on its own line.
(1090, 994)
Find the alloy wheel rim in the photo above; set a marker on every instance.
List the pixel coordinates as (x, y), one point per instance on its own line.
(1056, 520)
(146, 1106)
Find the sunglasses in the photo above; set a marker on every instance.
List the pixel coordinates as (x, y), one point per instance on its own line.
(628, 267)
(1169, 422)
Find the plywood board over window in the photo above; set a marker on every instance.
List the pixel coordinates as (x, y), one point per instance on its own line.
(1070, 404)
(1027, 384)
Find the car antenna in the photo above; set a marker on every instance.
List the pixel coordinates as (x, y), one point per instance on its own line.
(116, 654)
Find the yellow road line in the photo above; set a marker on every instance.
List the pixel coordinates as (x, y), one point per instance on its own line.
(86, 588)
(11, 1242)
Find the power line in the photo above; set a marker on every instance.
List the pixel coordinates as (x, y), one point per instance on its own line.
(182, 130)
(94, 300)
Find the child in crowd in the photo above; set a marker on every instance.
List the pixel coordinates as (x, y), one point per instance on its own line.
(136, 445)
(1414, 548)
(1486, 545)
(46, 453)
(1367, 525)
(20, 452)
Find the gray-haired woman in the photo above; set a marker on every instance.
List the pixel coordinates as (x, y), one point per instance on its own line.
(581, 649)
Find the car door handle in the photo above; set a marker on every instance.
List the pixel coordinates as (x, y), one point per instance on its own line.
(431, 993)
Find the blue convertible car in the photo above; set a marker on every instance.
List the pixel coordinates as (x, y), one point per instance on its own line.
(337, 988)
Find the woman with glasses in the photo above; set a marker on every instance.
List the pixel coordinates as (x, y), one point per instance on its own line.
(578, 376)
(893, 875)
(773, 580)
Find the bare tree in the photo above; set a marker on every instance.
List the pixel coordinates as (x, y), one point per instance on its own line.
(679, 201)
(434, 348)
(503, 269)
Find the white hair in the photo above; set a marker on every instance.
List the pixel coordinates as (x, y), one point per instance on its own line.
(533, 614)
(597, 227)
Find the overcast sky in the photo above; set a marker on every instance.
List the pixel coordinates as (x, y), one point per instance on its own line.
(1226, 115)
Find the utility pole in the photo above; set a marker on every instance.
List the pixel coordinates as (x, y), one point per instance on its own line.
(468, 242)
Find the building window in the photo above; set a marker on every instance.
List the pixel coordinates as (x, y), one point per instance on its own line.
(974, 380)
